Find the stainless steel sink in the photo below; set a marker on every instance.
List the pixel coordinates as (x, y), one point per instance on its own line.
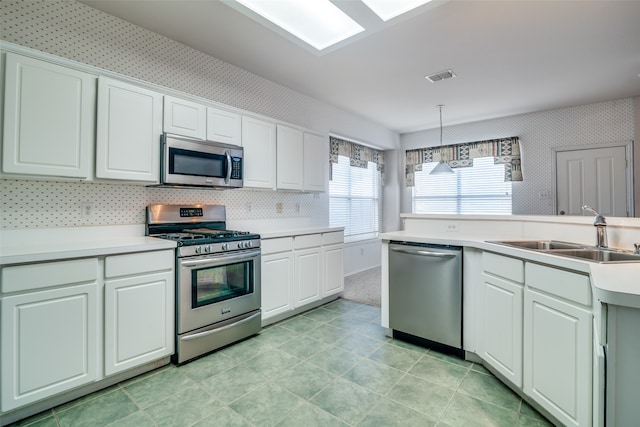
(573, 250)
(540, 245)
(598, 255)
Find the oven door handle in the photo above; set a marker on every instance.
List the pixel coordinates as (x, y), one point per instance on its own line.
(220, 329)
(226, 258)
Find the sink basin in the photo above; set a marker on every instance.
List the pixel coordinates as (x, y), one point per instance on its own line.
(540, 245)
(573, 250)
(598, 255)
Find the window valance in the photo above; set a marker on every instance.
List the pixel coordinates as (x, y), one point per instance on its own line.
(504, 151)
(359, 155)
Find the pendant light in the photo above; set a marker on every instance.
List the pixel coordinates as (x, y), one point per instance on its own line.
(442, 167)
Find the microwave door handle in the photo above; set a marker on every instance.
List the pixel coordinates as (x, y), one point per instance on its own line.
(228, 177)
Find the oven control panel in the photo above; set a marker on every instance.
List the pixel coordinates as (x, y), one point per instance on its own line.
(218, 248)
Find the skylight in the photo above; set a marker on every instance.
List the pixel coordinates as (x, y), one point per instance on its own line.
(317, 22)
(387, 9)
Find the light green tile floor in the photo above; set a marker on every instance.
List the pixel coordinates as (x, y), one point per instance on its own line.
(332, 366)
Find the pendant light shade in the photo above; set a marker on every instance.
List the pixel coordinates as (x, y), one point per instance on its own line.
(442, 167)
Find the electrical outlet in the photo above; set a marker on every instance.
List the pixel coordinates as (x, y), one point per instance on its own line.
(279, 207)
(86, 209)
(452, 227)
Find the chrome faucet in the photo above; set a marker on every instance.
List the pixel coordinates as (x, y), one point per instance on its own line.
(600, 223)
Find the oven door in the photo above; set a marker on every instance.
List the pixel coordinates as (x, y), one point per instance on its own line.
(214, 288)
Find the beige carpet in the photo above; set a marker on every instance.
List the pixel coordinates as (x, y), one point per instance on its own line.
(363, 287)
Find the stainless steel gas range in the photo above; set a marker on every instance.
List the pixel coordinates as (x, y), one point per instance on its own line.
(217, 277)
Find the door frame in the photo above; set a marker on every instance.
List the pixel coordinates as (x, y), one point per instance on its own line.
(628, 146)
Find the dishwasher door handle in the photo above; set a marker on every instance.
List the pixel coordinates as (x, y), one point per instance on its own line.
(422, 252)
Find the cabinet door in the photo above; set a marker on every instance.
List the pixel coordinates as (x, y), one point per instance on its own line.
(49, 343)
(182, 117)
(316, 161)
(558, 357)
(308, 276)
(500, 313)
(138, 320)
(277, 283)
(224, 126)
(259, 142)
(128, 132)
(333, 270)
(289, 158)
(49, 119)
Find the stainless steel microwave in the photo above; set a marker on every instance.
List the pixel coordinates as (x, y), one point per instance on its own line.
(187, 162)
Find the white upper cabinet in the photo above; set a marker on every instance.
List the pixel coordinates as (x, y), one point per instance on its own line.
(316, 160)
(128, 132)
(224, 126)
(186, 118)
(49, 117)
(289, 158)
(259, 142)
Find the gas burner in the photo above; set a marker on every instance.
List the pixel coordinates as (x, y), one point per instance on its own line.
(180, 236)
(218, 234)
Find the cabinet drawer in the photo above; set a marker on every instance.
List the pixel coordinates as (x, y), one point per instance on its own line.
(509, 268)
(138, 263)
(280, 244)
(37, 276)
(307, 241)
(572, 286)
(332, 238)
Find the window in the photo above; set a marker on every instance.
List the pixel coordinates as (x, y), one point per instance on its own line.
(354, 199)
(480, 189)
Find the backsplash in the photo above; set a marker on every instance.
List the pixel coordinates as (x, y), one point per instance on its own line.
(76, 31)
(37, 204)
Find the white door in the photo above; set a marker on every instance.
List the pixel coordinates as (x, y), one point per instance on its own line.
(186, 118)
(316, 155)
(128, 132)
(596, 177)
(48, 343)
(49, 118)
(138, 320)
(277, 283)
(224, 126)
(501, 321)
(308, 276)
(259, 142)
(557, 357)
(289, 158)
(333, 270)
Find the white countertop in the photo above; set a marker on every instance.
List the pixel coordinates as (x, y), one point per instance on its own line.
(50, 244)
(298, 232)
(614, 283)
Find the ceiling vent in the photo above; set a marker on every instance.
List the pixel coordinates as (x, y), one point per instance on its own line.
(441, 75)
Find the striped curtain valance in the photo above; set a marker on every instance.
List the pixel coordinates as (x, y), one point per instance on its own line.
(359, 155)
(504, 151)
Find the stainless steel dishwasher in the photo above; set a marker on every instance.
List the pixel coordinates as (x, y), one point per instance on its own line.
(425, 294)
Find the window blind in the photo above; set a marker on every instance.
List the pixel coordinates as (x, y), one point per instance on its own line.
(480, 189)
(354, 199)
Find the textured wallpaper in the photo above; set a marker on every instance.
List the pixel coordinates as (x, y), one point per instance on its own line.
(603, 122)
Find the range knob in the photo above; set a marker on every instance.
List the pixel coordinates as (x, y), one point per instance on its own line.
(248, 244)
(240, 245)
(198, 249)
(225, 247)
(207, 248)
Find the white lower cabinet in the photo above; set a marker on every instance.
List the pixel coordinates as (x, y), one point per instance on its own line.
(300, 270)
(558, 352)
(308, 268)
(139, 306)
(49, 336)
(51, 331)
(501, 342)
(277, 276)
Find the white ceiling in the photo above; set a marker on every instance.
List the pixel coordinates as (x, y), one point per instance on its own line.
(510, 57)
